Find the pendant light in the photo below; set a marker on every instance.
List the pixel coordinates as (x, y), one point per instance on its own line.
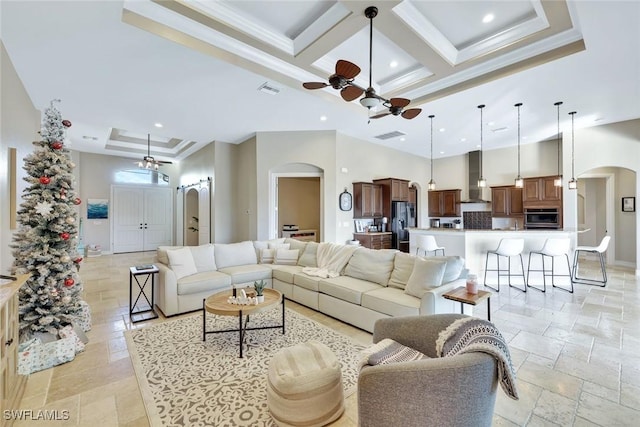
(519, 183)
(573, 182)
(558, 181)
(432, 183)
(482, 183)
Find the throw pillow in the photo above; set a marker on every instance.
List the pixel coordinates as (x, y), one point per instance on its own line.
(286, 257)
(402, 269)
(259, 245)
(309, 257)
(296, 244)
(455, 264)
(427, 274)
(203, 257)
(279, 246)
(181, 262)
(373, 265)
(266, 256)
(232, 254)
(389, 351)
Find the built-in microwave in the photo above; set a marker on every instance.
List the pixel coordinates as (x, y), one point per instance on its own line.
(541, 218)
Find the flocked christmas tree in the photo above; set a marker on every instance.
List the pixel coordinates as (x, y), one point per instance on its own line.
(46, 243)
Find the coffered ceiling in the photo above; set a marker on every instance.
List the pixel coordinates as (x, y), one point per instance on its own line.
(223, 70)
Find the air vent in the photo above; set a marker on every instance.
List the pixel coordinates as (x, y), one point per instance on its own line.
(394, 134)
(269, 88)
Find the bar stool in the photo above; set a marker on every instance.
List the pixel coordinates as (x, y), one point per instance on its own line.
(427, 244)
(552, 248)
(600, 250)
(508, 247)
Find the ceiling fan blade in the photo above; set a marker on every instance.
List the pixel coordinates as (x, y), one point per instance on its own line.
(377, 116)
(314, 85)
(399, 102)
(411, 113)
(347, 69)
(164, 162)
(350, 93)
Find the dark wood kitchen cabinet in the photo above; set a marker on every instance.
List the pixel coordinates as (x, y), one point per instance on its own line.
(541, 189)
(398, 188)
(374, 240)
(506, 202)
(367, 200)
(444, 203)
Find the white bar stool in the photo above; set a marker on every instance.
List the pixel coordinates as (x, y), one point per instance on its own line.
(600, 250)
(552, 248)
(508, 247)
(427, 243)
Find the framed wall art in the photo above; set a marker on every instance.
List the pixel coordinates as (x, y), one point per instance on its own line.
(628, 204)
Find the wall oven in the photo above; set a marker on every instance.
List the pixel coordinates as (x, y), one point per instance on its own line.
(541, 219)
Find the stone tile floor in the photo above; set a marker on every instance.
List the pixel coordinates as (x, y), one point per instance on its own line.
(577, 355)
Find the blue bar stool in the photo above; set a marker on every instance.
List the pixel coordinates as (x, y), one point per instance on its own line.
(553, 247)
(508, 247)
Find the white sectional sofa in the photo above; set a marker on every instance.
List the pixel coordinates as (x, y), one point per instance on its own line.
(353, 284)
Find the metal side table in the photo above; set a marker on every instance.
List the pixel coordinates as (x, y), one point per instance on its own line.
(136, 273)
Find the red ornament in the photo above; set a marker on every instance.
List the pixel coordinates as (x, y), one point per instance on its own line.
(56, 145)
(69, 282)
(65, 236)
(77, 201)
(66, 123)
(78, 260)
(45, 180)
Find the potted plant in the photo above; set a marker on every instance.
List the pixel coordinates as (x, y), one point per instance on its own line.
(259, 287)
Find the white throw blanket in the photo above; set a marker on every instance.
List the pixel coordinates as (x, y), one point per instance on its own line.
(332, 258)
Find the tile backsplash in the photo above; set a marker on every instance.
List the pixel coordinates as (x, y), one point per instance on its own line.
(477, 220)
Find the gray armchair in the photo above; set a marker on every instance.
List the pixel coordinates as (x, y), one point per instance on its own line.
(448, 391)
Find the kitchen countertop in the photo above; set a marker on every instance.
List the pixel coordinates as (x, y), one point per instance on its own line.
(510, 230)
(373, 233)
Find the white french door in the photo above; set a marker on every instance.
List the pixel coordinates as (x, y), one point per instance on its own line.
(141, 218)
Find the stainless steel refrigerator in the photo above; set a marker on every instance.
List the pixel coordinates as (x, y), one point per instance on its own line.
(403, 216)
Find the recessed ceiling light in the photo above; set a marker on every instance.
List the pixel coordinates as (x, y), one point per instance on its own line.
(323, 118)
(463, 139)
(442, 129)
(491, 123)
(403, 139)
(488, 18)
(525, 137)
(442, 152)
(393, 64)
(158, 125)
(478, 146)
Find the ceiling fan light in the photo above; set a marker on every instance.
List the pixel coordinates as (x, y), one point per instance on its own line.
(155, 166)
(140, 165)
(369, 101)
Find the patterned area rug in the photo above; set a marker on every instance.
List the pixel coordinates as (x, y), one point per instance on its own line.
(187, 382)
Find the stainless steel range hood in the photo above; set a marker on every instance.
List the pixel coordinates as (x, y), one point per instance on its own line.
(475, 192)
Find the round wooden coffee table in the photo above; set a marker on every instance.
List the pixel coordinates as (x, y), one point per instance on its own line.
(217, 304)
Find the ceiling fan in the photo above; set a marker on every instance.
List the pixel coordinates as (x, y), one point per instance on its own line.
(347, 71)
(148, 162)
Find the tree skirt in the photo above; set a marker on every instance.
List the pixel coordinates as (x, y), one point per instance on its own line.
(187, 382)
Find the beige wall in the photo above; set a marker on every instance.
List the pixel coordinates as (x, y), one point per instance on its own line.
(299, 203)
(20, 122)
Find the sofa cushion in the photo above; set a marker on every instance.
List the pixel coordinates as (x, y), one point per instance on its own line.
(279, 245)
(346, 288)
(371, 265)
(309, 258)
(286, 257)
(181, 262)
(200, 282)
(161, 253)
(391, 301)
(427, 274)
(232, 254)
(402, 269)
(203, 257)
(259, 245)
(285, 272)
(247, 273)
(455, 265)
(296, 244)
(306, 282)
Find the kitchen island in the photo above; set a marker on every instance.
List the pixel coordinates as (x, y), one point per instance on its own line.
(473, 245)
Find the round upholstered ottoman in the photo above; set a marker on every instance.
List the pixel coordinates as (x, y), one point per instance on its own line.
(304, 386)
